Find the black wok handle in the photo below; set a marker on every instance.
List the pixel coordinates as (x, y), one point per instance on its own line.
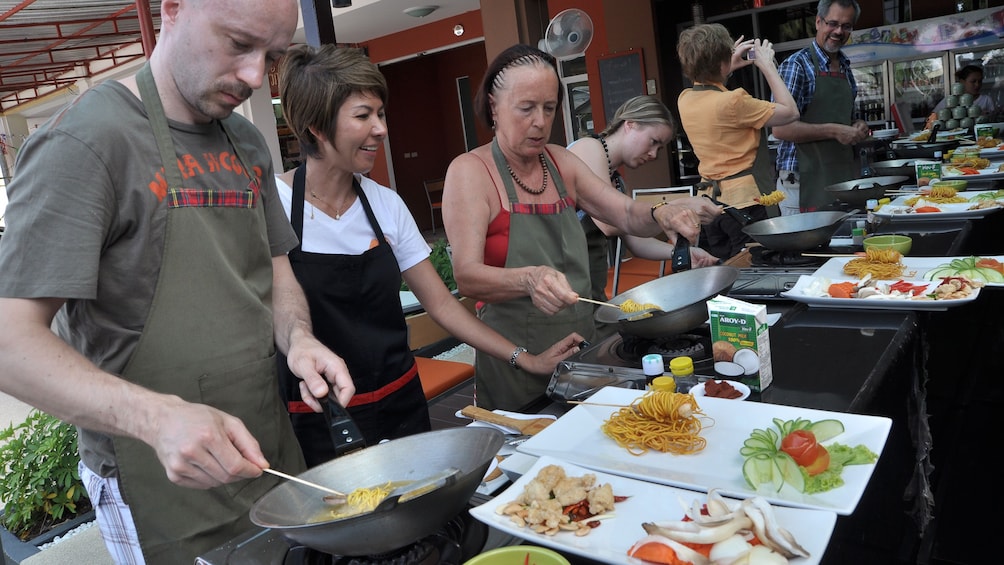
(345, 434)
(743, 218)
(681, 255)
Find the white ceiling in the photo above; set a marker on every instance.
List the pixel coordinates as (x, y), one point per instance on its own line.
(369, 19)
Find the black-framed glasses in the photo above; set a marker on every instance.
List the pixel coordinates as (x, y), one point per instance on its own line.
(833, 24)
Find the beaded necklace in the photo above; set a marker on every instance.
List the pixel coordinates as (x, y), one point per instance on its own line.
(543, 186)
(615, 177)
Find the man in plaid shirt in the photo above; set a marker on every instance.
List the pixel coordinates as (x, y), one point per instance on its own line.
(816, 151)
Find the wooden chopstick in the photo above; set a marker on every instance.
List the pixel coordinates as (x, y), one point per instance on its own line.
(307, 483)
(601, 303)
(832, 254)
(587, 403)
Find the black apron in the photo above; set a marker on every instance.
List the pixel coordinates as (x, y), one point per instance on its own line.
(825, 162)
(209, 339)
(723, 237)
(355, 306)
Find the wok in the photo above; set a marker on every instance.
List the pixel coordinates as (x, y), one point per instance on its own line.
(682, 297)
(857, 192)
(799, 232)
(289, 507)
(906, 167)
(922, 150)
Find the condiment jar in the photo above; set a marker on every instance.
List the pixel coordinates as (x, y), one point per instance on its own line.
(683, 372)
(664, 383)
(652, 366)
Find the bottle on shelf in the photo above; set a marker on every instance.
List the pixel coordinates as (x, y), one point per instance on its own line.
(683, 373)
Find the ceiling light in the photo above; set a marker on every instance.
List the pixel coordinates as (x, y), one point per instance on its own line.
(458, 30)
(420, 11)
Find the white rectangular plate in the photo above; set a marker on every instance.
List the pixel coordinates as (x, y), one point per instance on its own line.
(797, 293)
(576, 437)
(646, 502)
(949, 172)
(915, 267)
(896, 210)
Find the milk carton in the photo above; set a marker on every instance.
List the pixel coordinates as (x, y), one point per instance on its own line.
(740, 340)
(927, 171)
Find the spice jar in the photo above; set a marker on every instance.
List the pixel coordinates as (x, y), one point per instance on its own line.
(683, 373)
(664, 383)
(652, 366)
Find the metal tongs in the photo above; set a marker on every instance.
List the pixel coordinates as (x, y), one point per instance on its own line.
(743, 218)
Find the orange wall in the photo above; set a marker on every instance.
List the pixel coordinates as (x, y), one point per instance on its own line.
(424, 38)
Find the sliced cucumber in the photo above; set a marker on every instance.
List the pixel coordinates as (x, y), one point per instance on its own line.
(757, 470)
(826, 429)
(790, 472)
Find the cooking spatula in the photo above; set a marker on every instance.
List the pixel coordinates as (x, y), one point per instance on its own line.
(528, 427)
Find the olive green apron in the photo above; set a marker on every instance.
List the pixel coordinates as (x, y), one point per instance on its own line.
(555, 240)
(208, 339)
(825, 162)
(763, 169)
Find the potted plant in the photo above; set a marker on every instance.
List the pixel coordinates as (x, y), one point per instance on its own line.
(441, 259)
(39, 484)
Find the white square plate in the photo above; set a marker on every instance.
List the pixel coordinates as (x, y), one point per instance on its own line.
(577, 438)
(801, 293)
(647, 502)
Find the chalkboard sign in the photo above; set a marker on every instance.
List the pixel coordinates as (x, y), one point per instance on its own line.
(622, 77)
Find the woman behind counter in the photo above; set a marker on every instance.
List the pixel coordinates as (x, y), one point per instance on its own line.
(509, 210)
(357, 240)
(727, 127)
(640, 128)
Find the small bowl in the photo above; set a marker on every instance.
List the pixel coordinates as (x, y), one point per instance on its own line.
(958, 185)
(517, 555)
(901, 243)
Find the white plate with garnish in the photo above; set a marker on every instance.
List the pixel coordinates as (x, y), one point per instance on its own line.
(744, 390)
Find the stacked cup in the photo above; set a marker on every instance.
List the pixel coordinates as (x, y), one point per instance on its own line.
(960, 111)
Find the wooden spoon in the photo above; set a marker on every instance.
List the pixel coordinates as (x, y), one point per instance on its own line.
(333, 496)
(528, 427)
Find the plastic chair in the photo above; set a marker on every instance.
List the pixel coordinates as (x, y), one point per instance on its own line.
(649, 196)
(434, 193)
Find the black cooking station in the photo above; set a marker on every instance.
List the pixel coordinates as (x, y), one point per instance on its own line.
(862, 361)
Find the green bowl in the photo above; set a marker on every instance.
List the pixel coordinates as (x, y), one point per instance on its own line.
(900, 243)
(958, 185)
(518, 555)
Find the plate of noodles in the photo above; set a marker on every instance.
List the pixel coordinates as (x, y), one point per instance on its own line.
(969, 204)
(713, 460)
(619, 529)
(912, 268)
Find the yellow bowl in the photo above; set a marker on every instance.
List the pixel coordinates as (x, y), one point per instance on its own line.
(518, 555)
(901, 243)
(958, 185)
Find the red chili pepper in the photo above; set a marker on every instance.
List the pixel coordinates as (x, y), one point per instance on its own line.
(526, 560)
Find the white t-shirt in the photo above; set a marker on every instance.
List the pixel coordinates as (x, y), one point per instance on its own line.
(352, 234)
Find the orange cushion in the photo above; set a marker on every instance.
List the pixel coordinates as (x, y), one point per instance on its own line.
(439, 376)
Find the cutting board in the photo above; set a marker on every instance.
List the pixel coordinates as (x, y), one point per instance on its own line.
(528, 427)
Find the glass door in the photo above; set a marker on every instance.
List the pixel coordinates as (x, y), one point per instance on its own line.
(871, 103)
(991, 60)
(918, 85)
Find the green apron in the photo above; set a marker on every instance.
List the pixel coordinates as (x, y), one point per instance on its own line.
(208, 339)
(555, 240)
(825, 162)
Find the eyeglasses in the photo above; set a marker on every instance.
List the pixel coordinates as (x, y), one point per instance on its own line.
(833, 24)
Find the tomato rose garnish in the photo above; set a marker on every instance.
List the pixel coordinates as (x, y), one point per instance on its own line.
(801, 446)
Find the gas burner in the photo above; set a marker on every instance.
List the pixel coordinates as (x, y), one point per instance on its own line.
(633, 348)
(763, 257)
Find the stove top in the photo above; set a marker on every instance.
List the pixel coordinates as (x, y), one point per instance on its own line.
(457, 541)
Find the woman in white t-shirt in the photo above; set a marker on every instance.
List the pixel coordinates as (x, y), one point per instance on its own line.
(357, 240)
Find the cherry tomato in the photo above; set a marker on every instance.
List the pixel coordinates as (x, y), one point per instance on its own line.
(801, 446)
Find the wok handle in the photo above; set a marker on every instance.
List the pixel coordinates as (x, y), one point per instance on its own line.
(743, 218)
(681, 255)
(345, 434)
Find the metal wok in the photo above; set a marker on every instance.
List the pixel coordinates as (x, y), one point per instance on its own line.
(297, 512)
(858, 192)
(905, 167)
(799, 232)
(921, 150)
(681, 296)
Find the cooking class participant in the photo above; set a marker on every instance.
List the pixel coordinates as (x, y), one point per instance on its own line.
(971, 79)
(357, 240)
(639, 129)
(159, 246)
(815, 151)
(521, 250)
(727, 128)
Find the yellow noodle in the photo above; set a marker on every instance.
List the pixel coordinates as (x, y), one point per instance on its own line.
(629, 306)
(772, 198)
(932, 199)
(661, 421)
(879, 263)
(361, 500)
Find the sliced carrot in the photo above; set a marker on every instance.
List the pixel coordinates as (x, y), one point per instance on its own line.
(842, 290)
(657, 553)
(926, 209)
(990, 263)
